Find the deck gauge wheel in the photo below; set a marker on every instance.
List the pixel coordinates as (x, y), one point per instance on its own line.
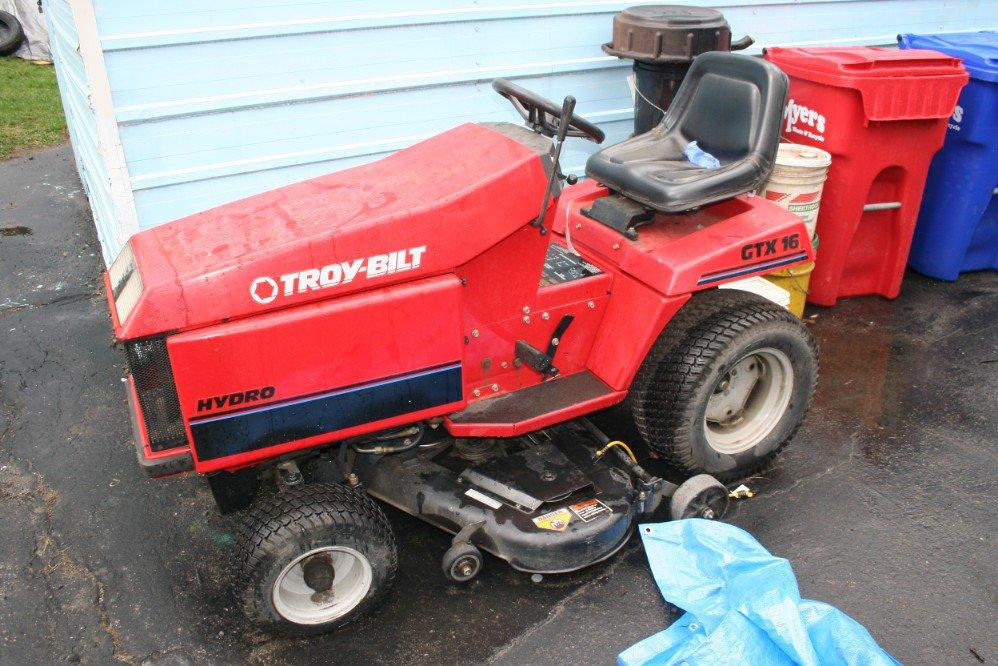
(701, 496)
(462, 562)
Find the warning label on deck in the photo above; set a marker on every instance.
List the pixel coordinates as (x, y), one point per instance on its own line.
(589, 509)
(557, 520)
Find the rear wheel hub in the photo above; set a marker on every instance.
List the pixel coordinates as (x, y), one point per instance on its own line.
(748, 401)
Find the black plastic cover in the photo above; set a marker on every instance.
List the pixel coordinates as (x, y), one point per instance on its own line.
(528, 478)
(152, 373)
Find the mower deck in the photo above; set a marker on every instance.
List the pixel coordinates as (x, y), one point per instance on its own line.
(541, 502)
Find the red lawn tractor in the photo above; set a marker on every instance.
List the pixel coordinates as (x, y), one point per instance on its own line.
(432, 329)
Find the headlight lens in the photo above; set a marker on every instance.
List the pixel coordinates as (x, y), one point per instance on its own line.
(126, 283)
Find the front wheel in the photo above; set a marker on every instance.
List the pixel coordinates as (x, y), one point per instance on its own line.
(726, 385)
(314, 558)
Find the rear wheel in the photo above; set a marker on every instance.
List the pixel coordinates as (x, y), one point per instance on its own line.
(726, 385)
(314, 558)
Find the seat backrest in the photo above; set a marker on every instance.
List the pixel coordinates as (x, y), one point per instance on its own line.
(731, 105)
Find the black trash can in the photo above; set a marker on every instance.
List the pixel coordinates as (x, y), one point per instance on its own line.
(662, 40)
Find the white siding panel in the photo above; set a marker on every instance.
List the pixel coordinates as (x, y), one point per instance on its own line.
(93, 130)
(216, 101)
(74, 89)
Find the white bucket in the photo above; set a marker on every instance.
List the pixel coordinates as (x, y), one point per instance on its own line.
(796, 181)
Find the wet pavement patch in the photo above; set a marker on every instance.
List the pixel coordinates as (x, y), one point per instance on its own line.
(883, 503)
(15, 231)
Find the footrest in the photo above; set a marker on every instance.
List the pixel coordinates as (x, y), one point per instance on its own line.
(535, 407)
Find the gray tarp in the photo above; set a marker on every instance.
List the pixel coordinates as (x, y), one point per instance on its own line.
(36, 42)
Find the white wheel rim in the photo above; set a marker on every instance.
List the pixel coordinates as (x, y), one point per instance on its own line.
(748, 401)
(296, 602)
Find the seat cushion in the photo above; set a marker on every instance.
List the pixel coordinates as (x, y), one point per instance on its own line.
(731, 105)
(649, 170)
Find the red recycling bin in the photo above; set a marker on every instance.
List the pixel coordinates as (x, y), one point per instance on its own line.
(882, 115)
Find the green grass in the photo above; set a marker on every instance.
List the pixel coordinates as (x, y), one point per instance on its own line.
(30, 109)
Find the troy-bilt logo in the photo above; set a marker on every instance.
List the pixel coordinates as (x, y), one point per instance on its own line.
(799, 118)
(264, 289)
(768, 247)
(237, 398)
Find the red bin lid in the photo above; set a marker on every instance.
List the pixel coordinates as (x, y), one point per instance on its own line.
(895, 84)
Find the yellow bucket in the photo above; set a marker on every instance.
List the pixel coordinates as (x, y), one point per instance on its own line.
(795, 281)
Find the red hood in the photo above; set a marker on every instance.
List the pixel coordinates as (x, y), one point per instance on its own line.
(418, 212)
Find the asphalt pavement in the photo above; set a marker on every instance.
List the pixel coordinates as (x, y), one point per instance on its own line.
(884, 503)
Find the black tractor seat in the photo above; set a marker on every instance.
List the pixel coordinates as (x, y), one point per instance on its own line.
(732, 106)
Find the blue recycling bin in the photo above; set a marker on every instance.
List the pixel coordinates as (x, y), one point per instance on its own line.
(957, 229)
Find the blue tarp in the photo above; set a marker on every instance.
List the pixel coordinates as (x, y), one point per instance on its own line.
(742, 605)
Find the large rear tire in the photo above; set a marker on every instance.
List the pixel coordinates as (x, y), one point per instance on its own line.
(726, 385)
(313, 559)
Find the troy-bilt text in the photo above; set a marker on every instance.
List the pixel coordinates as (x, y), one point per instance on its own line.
(264, 289)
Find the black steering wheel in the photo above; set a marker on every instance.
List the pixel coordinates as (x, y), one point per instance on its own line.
(544, 116)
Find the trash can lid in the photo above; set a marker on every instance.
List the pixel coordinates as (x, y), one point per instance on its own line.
(799, 155)
(978, 50)
(852, 62)
(895, 84)
(667, 33)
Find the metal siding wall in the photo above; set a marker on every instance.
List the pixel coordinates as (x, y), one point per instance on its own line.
(216, 104)
(74, 89)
